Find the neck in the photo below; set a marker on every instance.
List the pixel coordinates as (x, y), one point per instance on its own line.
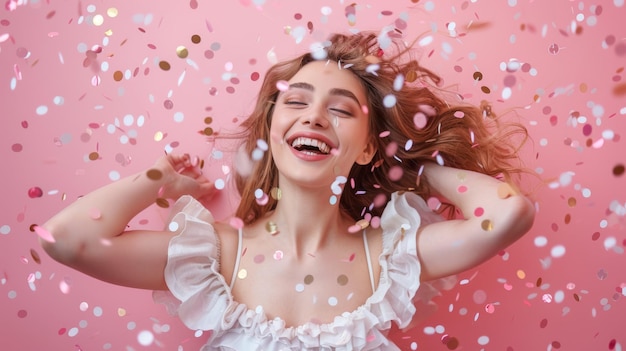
(306, 219)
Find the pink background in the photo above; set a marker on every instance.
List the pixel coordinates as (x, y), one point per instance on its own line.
(560, 287)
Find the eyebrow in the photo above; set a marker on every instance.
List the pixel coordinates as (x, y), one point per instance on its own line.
(334, 91)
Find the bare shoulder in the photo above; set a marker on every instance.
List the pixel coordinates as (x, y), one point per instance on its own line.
(228, 248)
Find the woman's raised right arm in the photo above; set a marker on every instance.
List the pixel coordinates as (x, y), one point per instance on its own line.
(90, 234)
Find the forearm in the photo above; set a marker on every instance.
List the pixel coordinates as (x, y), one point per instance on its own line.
(106, 211)
(100, 215)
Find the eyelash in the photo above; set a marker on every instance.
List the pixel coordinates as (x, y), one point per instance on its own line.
(299, 103)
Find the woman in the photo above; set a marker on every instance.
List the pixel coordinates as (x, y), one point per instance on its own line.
(332, 238)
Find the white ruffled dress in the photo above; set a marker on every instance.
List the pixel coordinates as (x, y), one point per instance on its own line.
(202, 299)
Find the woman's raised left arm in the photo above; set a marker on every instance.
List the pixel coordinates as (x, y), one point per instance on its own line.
(494, 216)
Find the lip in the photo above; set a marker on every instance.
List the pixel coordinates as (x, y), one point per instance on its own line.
(306, 156)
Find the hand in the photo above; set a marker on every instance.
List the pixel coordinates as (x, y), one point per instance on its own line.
(183, 176)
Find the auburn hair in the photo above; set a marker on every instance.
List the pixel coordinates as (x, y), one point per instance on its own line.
(455, 133)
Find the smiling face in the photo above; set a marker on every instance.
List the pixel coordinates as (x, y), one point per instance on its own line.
(319, 128)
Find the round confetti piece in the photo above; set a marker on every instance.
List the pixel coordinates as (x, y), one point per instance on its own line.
(505, 191)
(342, 279)
(420, 120)
(35, 192)
(259, 258)
(276, 193)
(479, 211)
(278, 255)
(271, 228)
(242, 274)
(487, 225)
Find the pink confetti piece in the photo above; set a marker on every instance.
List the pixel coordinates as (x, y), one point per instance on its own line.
(428, 110)
(64, 286)
(35, 192)
(433, 203)
(282, 85)
(278, 255)
(355, 228)
(420, 120)
(479, 211)
(17, 72)
(236, 223)
(44, 234)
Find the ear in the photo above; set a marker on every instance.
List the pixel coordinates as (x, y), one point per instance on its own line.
(367, 154)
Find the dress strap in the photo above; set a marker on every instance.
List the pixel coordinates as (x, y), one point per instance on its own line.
(238, 259)
(369, 261)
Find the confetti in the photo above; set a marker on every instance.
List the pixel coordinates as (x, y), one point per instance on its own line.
(44, 234)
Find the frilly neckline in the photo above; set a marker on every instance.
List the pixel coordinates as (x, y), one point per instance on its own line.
(363, 326)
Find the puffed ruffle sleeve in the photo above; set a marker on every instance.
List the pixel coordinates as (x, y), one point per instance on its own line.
(401, 294)
(197, 292)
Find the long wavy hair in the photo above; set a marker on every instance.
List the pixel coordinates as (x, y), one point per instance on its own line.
(456, 134)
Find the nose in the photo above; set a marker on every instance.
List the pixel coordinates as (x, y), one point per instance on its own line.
(316, 116)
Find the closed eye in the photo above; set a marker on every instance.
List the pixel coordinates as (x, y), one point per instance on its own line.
(295, 102)
(340, 111)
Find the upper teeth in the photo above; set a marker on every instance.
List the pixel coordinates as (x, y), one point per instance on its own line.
(301, 141)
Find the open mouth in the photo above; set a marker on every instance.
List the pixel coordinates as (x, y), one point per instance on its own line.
(315, 146)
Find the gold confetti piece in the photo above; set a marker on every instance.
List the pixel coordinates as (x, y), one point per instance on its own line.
(118, 75)
(196, 39)
(539, 282)
(485, 89)
(35, 256)
(158, 136)
(571, 202)
(411, 76)
(161, 202)
(618, 170)
(243, 274)
(154, 174)
(208, 131)
(372, 59)
(342, 280)
(363, 223)
(487, 225)
(121, 312)
(164, 65)
(208, 120)
(478, 76)
(276, 193)
(308, 279)
(112, 12)
(521, 274)
(505, 191)
(271, 228)
(182, 52)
